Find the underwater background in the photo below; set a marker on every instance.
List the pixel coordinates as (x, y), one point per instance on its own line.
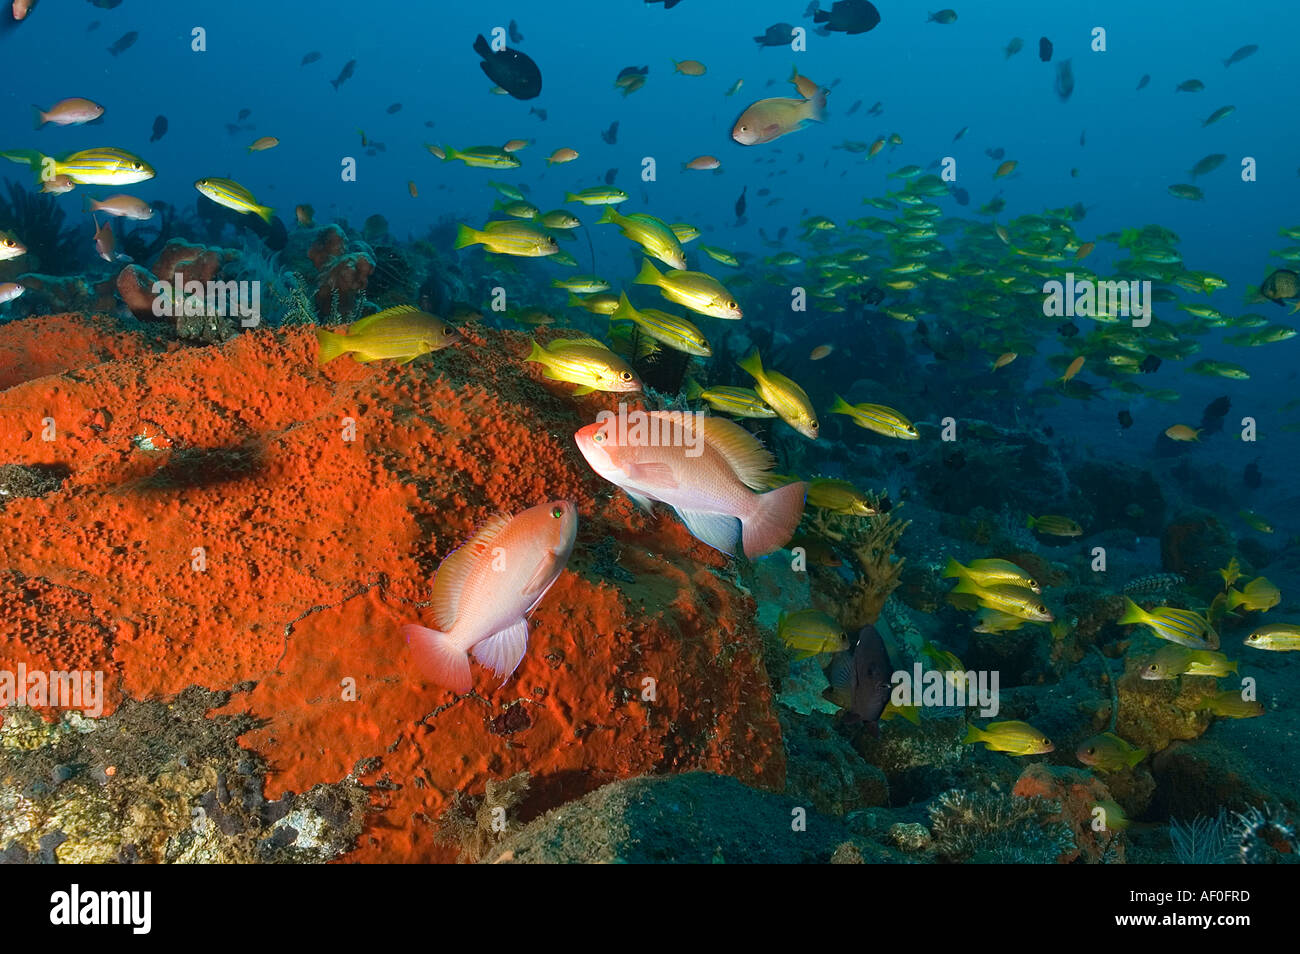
(238, 523)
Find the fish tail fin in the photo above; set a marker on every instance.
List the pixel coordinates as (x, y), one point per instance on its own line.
(1232, 667)
(752, 363)
(841, 406)
(481, 46)
(438, 658)
(1136, 757)
(973, 734)
(1235, 598)
(574, 301)
(624, 311)
(693, 389)
(953, 568)
(88, 204)
(465, 236)
(1132, 613)
(649, 275)
(774, 520)
(817, 106)
(38, 117)
(263, 212)
(608, 216)
(448, 153)
(536, 353)
(331, 345)
(568, 196)
(1029, 521)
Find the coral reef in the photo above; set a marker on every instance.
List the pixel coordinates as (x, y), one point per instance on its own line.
(38, 222)
(198, 476)
(996, 828)
(868, 545)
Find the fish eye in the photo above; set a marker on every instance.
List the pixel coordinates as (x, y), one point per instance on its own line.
(137, 165)
(815, 425)
(731, 304)
(625, 375)
(1091, 750)
(744, 129)
(557, 512)
(598, 437)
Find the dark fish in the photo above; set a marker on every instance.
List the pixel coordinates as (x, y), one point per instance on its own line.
(740, 203)
(848, 16)
(668, 4)
(1125, 420)
(123, 42)
(1281, 285)
(311, 57)
(539, 113)
(960, 132)
(105, 4)
(862, 680)
(1250, 49)
(778, 34)
(513, 71)
(231, 128)
(961, 195)
(610, 135)
(1083, 138)
(395, 108)
(159, 128)
(513, 31)
(243, 114)
(1067, 330)
(1077, 211)
(1146, 78)
(633, 71)
(345, 74)
(1213, 415)
(764, 191)
(1252, 477)
(1064, 80)
(781, 234)
(92, 26)
(995, 154)
(853, 109)
(429, 123)
(1150, 364)
(876, 109)
(1045, 50)
(609, 176)
(873, 295)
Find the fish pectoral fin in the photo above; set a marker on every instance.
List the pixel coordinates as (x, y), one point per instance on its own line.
(645, 503)
(580, 391)
(653, 475)
(503, 651)
(719, 530)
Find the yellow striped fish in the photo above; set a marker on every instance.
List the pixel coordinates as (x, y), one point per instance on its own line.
(100, 166)
(402, 333)
(677, 333)
(738, 402)
(652, 234)
(878, 418)
(789, 400)
(699, 292)
(232, 195)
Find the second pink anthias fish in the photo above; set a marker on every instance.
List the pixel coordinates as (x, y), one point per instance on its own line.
(484, 591)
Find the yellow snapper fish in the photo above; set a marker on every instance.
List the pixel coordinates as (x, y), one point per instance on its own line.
(878, 418)
(989, 620)
(811, 632)
(1173, 660)
(402, 333)
(1014, 738)
(738, 402)
(677, 333)
(508, 237)
(790, 401)
(701, 293)
(1229, 704)
(1276, 637)
(480, 157)
(228, 193)
(1054, 525)
(1176, 625)
(652, 234)
(839, 496)
(1007, 598)
(1109, 753)
(601, 195)
(992, 572)
(584, 362)
(99, 166)
(1258, 595)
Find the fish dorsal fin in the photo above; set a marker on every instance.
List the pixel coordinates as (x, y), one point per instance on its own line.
(449, 582)
(369, 320)
(741, 450)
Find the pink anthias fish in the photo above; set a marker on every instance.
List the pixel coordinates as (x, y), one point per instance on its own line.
(706, 468)
(484, 591)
